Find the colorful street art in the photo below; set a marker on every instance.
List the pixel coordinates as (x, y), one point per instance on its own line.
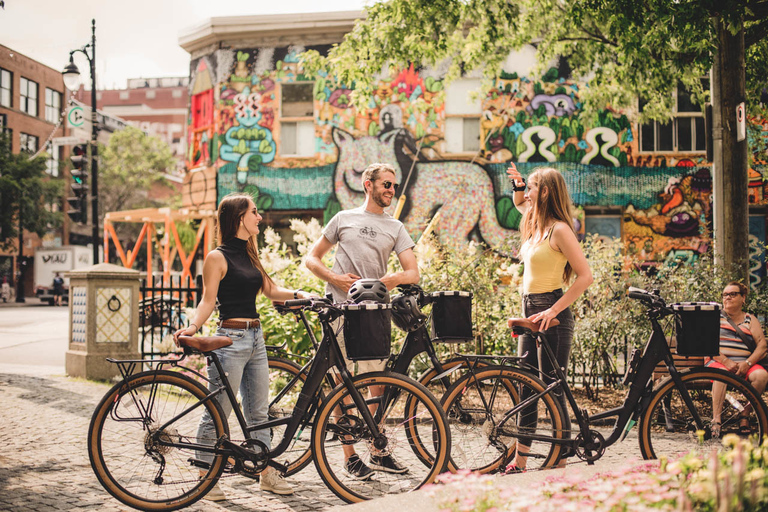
(664, 198)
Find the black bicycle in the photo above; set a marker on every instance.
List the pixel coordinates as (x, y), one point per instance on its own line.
(144, 447)
(491, 409)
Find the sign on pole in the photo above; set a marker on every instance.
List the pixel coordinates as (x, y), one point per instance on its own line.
(741, 123)
(76, 117)
(67, 141)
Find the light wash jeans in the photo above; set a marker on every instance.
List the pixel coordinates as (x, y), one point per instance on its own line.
(245, 365)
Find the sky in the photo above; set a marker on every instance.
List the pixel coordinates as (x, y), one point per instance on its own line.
(134, 38)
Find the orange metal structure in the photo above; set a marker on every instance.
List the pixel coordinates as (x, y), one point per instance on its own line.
(170, 246)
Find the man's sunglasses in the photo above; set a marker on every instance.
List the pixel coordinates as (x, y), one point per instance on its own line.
(389, 184)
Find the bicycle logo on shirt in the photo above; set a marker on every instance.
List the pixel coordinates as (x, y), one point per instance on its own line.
(368, 231)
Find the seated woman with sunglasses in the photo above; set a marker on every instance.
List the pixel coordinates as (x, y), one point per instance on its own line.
(740, 350)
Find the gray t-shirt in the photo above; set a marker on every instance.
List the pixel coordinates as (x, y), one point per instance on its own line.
(365, 241)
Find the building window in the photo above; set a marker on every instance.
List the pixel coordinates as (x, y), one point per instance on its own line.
(28, 96)
(150, 94)
(685, 133)
(6, 80)
(124, 95)
(53, 159)
(176, 94)
(462, 117)
(297, 126)
(52, 105)
(28, 143)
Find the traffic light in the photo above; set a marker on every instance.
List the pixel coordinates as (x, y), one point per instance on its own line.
(78, 199)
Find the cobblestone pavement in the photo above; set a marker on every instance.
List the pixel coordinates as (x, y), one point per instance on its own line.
(44, 465)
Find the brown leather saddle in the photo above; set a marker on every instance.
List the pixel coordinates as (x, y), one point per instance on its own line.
(205, 343)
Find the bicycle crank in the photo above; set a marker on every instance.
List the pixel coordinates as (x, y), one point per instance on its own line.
(591, 449)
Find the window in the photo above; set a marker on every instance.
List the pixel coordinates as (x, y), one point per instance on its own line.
(28, 143)
(53, 159)
(150, 94)
(176, 93)
(52, 105)
(6, 79)
(686, 132)
(297, 125)
(28, 96)
(462, 117)
(124, 95)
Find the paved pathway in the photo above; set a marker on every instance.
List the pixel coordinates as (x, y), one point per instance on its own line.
(44, 465)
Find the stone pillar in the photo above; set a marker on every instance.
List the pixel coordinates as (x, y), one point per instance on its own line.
(104, 320)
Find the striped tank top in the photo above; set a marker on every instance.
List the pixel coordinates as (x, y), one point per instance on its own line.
(731, 344)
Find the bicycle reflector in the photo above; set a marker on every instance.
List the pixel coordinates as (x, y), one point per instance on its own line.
(406, 313)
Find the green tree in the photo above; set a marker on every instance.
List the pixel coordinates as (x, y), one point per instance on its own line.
(627, 49)
(26, 188)
(129, 165)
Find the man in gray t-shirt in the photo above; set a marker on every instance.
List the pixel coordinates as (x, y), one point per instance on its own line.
(365, 236)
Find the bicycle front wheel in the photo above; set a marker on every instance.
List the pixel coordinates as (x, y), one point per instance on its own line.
(340, 431)
(138, 456)
(668, 426)
(483, 432)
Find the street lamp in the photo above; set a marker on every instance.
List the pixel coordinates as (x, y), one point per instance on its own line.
(72, 81)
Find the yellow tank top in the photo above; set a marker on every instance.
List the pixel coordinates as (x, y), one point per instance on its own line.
(543, 266)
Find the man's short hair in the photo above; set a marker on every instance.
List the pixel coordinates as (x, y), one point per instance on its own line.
(373, 171)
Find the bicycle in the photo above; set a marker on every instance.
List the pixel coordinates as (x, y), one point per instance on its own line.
(142, 440)
(674, 417)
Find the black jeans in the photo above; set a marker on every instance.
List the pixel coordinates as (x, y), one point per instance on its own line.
(560, 339)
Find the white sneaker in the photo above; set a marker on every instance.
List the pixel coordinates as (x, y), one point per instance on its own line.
(215, 494)
(273, 481)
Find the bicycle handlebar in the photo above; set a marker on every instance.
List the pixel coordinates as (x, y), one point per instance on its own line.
(651, 299)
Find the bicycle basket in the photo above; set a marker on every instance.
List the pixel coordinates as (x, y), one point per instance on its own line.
(451, 316)
(697, 326)
(367, 330)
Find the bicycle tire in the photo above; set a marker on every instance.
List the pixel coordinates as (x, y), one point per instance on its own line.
(667, 427)
(281, 374)
(121, 451)
(438, 389)
(331, 432)
(483, 437)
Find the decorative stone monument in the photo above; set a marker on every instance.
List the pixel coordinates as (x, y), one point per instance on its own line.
(104, 320)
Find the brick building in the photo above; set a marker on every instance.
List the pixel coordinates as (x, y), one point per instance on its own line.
(32, 97)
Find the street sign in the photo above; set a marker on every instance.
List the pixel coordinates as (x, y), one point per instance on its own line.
(76, 117)
(741, 123)
(67, 141)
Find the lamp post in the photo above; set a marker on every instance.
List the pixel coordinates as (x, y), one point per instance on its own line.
(72, 82)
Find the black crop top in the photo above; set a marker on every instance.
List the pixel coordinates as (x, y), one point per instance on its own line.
(238, 289)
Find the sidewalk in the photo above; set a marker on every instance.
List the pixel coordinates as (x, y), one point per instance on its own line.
(45, 466)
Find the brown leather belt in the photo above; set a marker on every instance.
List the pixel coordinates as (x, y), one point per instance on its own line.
(240, 324)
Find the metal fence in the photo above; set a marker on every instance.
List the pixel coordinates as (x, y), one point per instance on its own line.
(162, 312)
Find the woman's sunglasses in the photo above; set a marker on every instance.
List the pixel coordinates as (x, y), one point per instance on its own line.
(389, 184)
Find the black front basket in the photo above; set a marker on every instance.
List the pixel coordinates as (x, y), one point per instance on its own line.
(367, 331)
(697, 326)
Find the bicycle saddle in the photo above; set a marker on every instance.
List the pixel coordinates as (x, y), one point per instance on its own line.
(526, 324)
(205, 343)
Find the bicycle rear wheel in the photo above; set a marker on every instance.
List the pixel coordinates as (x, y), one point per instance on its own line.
(484, 435)
(128, 451)
(340, 424)
(667, 426)
(285, 383)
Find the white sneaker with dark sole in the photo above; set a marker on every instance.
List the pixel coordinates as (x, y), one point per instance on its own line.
(215, 494)
(356, 468)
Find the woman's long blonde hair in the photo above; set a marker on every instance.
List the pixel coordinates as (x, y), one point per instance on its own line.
(231, 210)
(552, 204)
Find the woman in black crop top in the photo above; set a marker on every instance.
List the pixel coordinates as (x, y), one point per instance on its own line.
(233, 275)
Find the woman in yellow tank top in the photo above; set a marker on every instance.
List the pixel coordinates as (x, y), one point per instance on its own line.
(551, 256)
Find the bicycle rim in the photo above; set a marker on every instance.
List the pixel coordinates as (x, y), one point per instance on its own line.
(339, 422)
(484, 435)
(667, 426)
(283, 393)
(126, 448)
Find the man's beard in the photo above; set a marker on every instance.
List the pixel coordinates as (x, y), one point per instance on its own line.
(378, 198)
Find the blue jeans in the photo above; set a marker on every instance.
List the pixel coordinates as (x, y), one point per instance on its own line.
(245, 364)
(560, 339)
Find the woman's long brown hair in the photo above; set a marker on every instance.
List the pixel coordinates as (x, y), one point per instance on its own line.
(231, 210)
(556, 206)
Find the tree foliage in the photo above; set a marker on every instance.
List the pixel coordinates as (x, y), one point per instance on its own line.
(25, 187)
(626, 49)
(129, 165)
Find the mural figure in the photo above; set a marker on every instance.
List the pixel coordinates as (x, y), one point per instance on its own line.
(608, 139)
(555, 105)
(462, 192)
(247, 144)
(546, 138)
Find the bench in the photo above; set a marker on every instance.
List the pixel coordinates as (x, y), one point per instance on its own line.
(681, 362)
